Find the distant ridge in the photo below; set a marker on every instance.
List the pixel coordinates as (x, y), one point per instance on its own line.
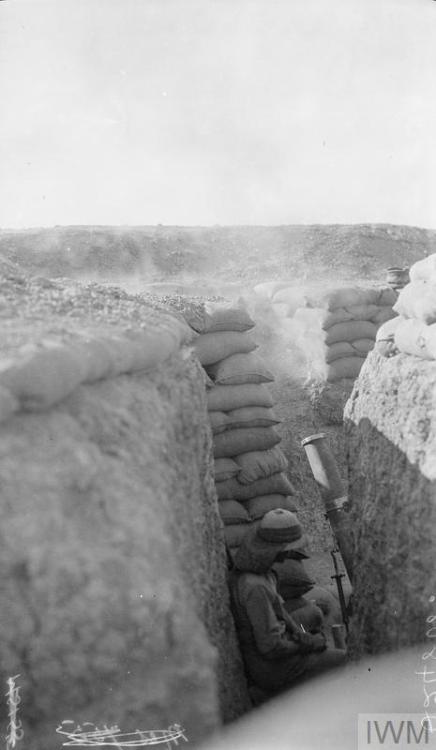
(240, 253)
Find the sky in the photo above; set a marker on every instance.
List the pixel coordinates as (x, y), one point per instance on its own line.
(223, 112)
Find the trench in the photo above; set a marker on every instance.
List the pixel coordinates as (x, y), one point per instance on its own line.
(82, 499)
(307, 406)
(390, 521)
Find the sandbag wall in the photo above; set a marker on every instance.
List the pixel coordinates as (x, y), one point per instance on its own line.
(337, 329)
(414, 330)
(250, 467)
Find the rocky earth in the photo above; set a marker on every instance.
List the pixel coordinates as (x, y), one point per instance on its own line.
(114, 597)
(390, 428)
(235, 254)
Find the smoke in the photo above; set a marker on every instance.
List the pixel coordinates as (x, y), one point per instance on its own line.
(288, 327)
(288, 331)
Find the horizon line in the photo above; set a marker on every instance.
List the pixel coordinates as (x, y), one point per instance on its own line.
(211, 226)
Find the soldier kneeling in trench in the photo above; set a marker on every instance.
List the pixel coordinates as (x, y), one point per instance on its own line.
(277, 648)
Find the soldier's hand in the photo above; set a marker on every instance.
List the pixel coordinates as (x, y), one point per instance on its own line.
(310, 643)
(306, 642)
(319, 642)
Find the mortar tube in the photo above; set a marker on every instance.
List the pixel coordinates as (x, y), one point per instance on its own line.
(326, 475)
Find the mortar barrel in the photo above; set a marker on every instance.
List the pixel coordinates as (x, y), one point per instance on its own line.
(326, 475)
(324, 468)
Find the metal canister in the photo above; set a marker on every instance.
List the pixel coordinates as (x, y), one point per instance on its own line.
(396, 277)
(339, 636)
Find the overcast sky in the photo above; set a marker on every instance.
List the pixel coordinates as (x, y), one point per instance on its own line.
(217, 112)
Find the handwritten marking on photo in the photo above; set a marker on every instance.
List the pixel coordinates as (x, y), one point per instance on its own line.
(430, 697)
(113, 737)
(15, 730)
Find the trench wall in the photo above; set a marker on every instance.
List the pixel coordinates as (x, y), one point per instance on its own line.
(114, 600)
(390, 428)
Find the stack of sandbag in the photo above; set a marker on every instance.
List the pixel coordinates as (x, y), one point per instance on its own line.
(293, 581)
(338, 329)
(249, 465)
(267, 289)
(414, 330)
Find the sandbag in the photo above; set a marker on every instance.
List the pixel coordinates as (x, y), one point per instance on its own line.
(248, 416)
(233, 512)
(362, 347)
(350, 331)
(252, 416)
(385, 339)
(43, 374)
(218, 421)
(429, 336)
(288, 294)
(348, 367)
(9, 404)
(286, 301)
(234, 442)
(352, 296)
(386, 348)
(268, 288)
(410, 338)
(43, 378)
(386, 332)
(354, 312)
(328, 602)
(240, 368)
(424, 270)
(276, 484)
(258, 464)
(212, 347)
(338, 351)
(222, 317)
(357, 348)
(418, 300)
(384, 314)
(229, 397)
(258, 506)
(293, 579)
(235, 533)
(225, 468)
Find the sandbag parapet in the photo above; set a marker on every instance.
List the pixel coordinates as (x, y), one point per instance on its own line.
(414, 332)
(337, 329)
(58, 334)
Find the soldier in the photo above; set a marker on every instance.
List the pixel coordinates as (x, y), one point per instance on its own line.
(277, 648)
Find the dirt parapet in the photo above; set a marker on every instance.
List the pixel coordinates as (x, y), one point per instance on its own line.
(390, 423)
